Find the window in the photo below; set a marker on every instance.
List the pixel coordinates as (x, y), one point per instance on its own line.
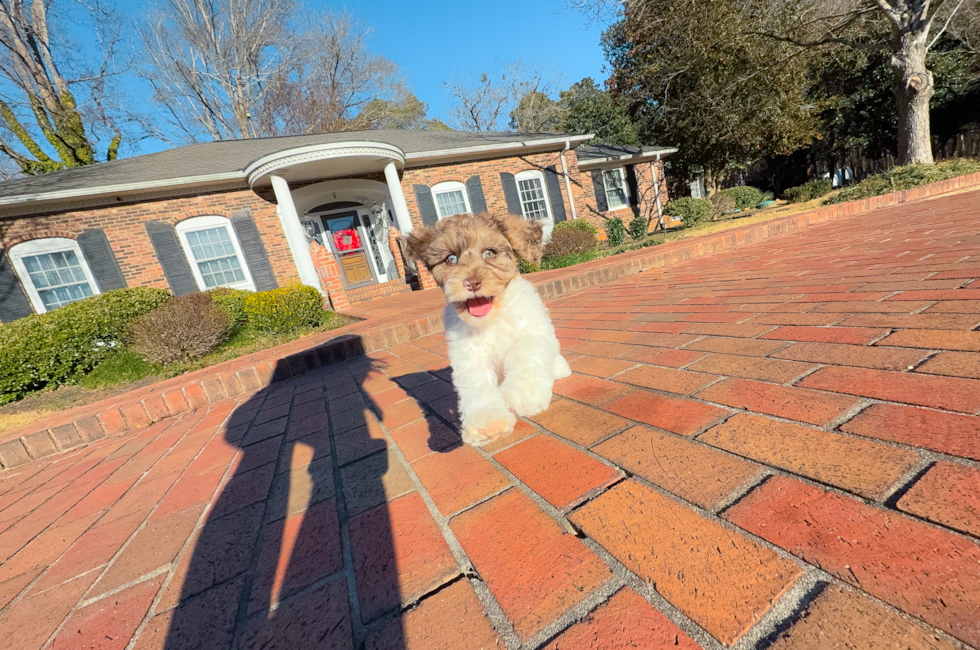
(215, 255)
(450, 199)
(534, 201)
(615, 184)
(54, 272)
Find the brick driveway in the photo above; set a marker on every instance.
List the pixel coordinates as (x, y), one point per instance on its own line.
(773, 447)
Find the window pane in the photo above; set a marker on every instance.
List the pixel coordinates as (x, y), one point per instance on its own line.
(450, 203)
(532, 199)
(615, 188)
(215, 256)
(58, 278)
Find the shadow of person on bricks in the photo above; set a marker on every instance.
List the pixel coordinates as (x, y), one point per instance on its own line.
(297, 551)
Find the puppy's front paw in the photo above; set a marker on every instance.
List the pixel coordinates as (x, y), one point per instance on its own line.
(487, 425)
(527, 396)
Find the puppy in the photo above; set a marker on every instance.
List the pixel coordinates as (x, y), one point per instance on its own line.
(502, 345)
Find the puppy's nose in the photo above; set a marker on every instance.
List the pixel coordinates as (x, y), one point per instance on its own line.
(472, 284)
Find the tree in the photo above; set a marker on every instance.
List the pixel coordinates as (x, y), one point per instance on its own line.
(522, 92)
(333, 83)
(590, 109)
(911, 34)
(691, 77)
(226, 69)
(45, 126)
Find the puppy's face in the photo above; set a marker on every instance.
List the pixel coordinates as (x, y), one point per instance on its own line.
(473, 257)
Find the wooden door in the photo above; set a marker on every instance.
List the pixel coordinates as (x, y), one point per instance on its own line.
(355, 267)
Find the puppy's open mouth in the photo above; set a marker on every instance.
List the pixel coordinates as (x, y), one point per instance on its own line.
(479, 307)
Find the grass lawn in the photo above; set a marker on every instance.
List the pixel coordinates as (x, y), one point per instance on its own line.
(127, 370)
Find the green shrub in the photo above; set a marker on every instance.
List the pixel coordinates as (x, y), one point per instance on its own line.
(185, 328)
(560, 262)
(61, 346)
(745, 196)
(576, 224)
(690, 211)
(808, 191)
(615, 232)
(638, 227)
(526, 267)
(284, 310)
(232, 301)
(903, 178)
(721, 204)
(571, 241)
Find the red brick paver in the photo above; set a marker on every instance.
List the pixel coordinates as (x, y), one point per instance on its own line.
(774, 446)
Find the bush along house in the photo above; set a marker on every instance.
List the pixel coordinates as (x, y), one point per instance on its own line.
(324, 210)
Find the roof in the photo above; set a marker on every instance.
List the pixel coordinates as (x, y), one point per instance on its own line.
(595, 154)
(227, 159)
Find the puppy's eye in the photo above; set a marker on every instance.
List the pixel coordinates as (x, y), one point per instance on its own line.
(487, 254)
(452, 259)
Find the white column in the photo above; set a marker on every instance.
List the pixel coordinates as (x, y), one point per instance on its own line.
(398, 199)
(299, 246)
(656, 193)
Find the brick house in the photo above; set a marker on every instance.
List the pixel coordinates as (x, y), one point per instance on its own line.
(324, 210)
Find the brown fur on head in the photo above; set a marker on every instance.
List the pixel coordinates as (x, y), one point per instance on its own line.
(475, 255)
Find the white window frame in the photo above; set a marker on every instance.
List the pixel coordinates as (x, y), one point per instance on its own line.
(195, 224)
(527, 175)
(449, 186)
(626, 190)
(43, 247)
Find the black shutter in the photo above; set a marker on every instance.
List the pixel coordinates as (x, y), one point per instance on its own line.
(631, 184)
(474, 188)
(13, 301)
(427, 206)
(554, 193)
(254, 250)
(171, 256)
(511, 194)
(95, 247)
(600, 191)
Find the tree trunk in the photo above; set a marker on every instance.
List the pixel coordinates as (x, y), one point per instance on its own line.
(913, 88)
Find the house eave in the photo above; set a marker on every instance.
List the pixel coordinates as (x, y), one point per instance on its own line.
(610, 161)
(108, 195)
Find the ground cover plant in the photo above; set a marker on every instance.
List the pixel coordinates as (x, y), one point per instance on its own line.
(906, 177)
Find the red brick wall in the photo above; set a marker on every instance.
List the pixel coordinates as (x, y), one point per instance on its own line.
(647, 206)
(127, 236)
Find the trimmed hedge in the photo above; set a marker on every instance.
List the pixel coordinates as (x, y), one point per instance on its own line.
(576, 224)
(808, 191)
(185, 328)
(283, 310)
(691, 211)
(745, 196)
(232, 301)
(615, 232)
(638, 227)
(61, 346)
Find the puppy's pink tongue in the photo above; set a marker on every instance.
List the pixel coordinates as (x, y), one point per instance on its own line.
(479, 307)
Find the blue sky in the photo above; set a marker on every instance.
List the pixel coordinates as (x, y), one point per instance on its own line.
(438, 40)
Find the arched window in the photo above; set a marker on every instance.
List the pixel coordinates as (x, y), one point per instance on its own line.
(53, 271)
(534, 200)
(450, 198)
(215, 254)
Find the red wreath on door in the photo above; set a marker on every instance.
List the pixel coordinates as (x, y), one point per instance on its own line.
(346, 240)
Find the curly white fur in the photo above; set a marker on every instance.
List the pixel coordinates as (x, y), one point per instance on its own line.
(510, 364)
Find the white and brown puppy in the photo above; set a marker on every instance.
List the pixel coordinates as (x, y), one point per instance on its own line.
(502, 345)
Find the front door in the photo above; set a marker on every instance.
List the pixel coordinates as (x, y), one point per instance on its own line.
(353, 238)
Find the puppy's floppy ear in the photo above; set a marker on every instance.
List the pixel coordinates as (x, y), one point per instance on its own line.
(417, 243)
(525, 237)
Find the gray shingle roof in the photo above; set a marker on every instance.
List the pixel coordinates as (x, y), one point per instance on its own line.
(233, 156)
(594, 152)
